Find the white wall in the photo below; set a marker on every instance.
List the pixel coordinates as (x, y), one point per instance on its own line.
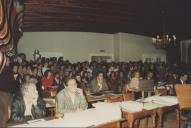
(133, 47)
(116, 44)
(76, 46)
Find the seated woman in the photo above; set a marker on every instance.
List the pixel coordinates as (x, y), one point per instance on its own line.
(71, 98)
(134, 84)
(114, 82)
(27, 105)
(98, 84)
(135, 79)
(47, 80)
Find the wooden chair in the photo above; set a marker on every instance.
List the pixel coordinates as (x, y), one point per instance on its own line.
(129, 95)
(146, 90)
(161, 112)
(183, 92)
(161, 91)
(115, 99)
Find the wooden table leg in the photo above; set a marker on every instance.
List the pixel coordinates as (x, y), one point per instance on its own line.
(154, 121)
(161, 121)
(146, 122)
(137, 123)
(130, 122)
(178, 117)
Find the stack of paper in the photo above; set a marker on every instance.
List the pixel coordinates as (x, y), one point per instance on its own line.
(151, 105)
(166, 100)
(132, 106)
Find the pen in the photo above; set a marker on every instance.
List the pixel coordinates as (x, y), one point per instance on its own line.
(34, 121)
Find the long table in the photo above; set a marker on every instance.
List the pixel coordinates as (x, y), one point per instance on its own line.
(95, 117)
(109, 124)
(150, 109)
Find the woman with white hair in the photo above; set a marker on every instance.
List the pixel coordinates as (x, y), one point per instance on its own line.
(27, 106)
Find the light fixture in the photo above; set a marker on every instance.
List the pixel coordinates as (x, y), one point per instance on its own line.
(164, 40)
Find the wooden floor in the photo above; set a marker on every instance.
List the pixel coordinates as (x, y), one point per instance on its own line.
(169, 121)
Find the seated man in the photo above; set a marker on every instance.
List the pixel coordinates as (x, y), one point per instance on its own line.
(98, 84)
(183, 79)
(71, 98)
(27, 105)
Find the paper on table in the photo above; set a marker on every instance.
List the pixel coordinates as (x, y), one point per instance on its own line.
(161, 87)
(34, 121)
(166, 100)
(132, 106)
(151, 105)
(87, 118)
(107, 112)
(106, 104)
(77, 119)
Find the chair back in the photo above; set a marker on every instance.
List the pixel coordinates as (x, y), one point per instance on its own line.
(183, 92)
(115, 99)
(161, 91)
(145, 85)
(127, 96)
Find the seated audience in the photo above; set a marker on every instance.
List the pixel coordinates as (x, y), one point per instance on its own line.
(172, 78)
(47, 80)
(98, 84)
(26, 78)
(57, 79)
(149, 76)
(79, 82)
(38, 79)
(45, 67)
(27, 105)
(135, 79)
(114, 81)
(183, 79)
(86, 79)
(71, 98)
(17, 76)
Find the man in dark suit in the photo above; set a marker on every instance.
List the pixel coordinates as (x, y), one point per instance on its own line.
(8, 86)
(183, 79)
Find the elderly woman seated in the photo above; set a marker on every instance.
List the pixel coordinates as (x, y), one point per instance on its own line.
(27, 105)
(71, 98)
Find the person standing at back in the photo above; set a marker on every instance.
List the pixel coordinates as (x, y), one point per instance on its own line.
(8, 87)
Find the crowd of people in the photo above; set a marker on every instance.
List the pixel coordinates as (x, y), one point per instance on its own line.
(73, 80)
(55, 71)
